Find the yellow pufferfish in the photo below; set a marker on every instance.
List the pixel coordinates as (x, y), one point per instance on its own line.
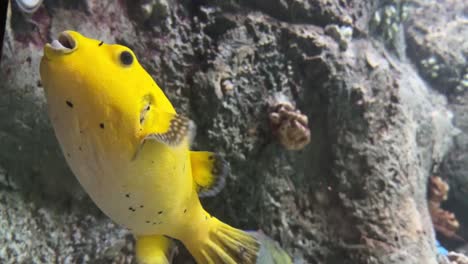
(130, 151)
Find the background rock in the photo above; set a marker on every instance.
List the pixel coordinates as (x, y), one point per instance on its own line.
(355, 194)
(437, 45)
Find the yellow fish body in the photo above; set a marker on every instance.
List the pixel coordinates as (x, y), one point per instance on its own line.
(130, 150)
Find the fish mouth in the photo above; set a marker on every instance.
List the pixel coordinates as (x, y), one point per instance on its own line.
(65, 43)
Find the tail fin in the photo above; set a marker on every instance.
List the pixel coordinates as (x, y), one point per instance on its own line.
(227, 245)
(270, 252)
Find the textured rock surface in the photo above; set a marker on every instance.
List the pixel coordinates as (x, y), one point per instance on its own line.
(437, 34)
(355, 194)
(437, 44)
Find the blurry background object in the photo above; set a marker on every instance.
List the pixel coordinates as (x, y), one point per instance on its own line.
(28, 6)
(3, 17)
(444, 221)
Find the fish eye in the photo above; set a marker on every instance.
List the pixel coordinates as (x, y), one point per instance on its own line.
(126, 58)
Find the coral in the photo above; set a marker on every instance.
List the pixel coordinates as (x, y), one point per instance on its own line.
(438, 190)
(444, 221)
(289, 125)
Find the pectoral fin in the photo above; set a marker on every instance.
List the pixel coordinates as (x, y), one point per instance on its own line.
(168, 128)
(209, 172)
(178, 128)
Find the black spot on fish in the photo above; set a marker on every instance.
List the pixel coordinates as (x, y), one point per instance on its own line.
(148, 222)
(144, 112)
(68, 155)
(101, 125)
(160, 212)
(70, 104)
(206, 217)
(127, 195)
(80, 149)
(100, 43)
(152, 162)
(141, 206)
(211, 157)
(185, 211)
(131, 209)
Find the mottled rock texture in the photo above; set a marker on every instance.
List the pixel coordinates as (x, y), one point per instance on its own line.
(355, 194)
(437, 35)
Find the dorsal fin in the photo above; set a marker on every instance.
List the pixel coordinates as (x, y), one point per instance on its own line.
(209, 171)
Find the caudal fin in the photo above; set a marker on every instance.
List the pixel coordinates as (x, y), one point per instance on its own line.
(227, 245)
(270, 251)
